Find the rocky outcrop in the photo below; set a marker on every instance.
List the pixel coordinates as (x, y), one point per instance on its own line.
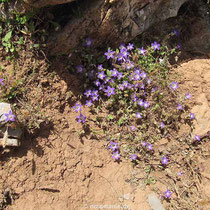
(112, 22)
(43, 3)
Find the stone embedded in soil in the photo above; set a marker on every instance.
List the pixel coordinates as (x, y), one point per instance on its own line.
(155, 202)
(202, 113)
(4, 109)
(15, 133)
(11, 142)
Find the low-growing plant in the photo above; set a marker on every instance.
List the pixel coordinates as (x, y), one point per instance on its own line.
(136, 104)
(136, 97)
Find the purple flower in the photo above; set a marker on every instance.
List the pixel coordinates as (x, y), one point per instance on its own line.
(88, 42)
(114, 73)
(133, 128)
(142, 86)
(143, 75)
(138, 115)
(188, 96)
(154, 89)
(164, 160)
(116, 155)
(137, 70)
(175, 32)
(77, 107)
(113, 146)
(94, 93)
(129, 65)
(146, 104)
(120, 76)
(109, 91)
(100, 67)
(179, 46)
(192, 116)
(80, 69)
(179, 173)
(1, 81)
(121, 87)
(140, 102)
(144, 144)
(95, 97)
(87, 93)
(197, 137)
(174, 85)
(142, 51)
(133, 157)
(101, 75)
(167, 194)
(136, 77)
(162, 125)
(102, 87)
(122, 46)
(106, 80)
(81, 118)
(9, 116)
(124, 53)
(148, 81)
(130, 86)
(179, 107)
(89, 103)
(97, 83)
(109, 54)
(130, 46)
(120, 57)
(155, 46)
(149, 147)
(134, 97)
(125, 84)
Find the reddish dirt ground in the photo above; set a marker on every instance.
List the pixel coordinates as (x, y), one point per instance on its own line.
(54, 169)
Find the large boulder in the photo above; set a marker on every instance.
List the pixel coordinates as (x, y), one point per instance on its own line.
(112, 22)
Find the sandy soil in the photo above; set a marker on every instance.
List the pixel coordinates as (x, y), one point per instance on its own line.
(55, 169)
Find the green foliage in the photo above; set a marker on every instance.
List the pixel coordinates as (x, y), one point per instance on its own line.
(14, 30)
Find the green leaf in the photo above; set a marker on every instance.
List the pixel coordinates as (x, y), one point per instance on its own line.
(120, 121)
(7, 36)
(110, 117)
(101, 59)
(108, 73)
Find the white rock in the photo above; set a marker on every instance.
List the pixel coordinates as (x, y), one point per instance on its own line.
(155, 202)
(4, 109)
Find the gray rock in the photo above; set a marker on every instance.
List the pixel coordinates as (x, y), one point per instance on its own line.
(155, 202)
(4, 109)
(14, 133)
(127, 196)
(10, 142)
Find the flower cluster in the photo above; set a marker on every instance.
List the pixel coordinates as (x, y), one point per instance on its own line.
(80, 118)
(146, 145)
(113, 146)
